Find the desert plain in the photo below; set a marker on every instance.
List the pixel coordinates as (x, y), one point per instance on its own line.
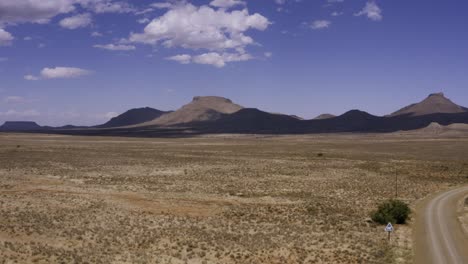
(217, 198)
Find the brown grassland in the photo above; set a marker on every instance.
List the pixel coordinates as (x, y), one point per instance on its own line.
(217, 199)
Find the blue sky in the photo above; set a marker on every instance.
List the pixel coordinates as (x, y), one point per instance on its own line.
(83, 61)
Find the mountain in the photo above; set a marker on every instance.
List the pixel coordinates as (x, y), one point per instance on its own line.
(20, 126)
(133, 117)
(324, 116)
(201, 109)
(250, 120)
(351, 121)
(434, 103)
(212, 114)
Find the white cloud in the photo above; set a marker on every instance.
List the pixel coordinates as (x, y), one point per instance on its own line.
(30, 77)
(320, 24)
(335, 1)
(25, 113)
(218, 60)
(215, 30)
(5, 37)
(226, 3)
(372, 11)
(268, 54)
(183, 58)
(202, 27)
(58, 73)
(114, 47)
(42, 11)
(111, 114)
(107, 6)
(164, 5)
(96, 34)
(2, 59)
(14, 99)
(143, 20)
(37, 11)
(336, 13)
(78, 21)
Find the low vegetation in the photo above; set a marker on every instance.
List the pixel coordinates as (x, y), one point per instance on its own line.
(218, 199)
(392, 211)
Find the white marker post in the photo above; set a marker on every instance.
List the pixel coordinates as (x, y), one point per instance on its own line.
(389, 230)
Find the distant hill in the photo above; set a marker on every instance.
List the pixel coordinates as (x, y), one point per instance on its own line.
(354, 120)
(133, 117)
(250, 120)
(20, 126)
(435, 129)
(202, 108)
(434, 103)
(324, 116)
(212, 114)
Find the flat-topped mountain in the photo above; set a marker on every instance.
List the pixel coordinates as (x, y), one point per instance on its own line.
(202, 108)
(133, 117)
(20, 126)
(434, 103)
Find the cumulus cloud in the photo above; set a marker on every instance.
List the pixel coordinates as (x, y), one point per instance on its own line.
(202, 27)
(42, 11)
(372, 11)
(78, 21)
(320, 24)
(37, 11)
(5, 38)
(226, 3)
(217, 30)
(58, 73)
(114, 47)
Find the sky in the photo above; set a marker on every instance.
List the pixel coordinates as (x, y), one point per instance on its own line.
(82, 62)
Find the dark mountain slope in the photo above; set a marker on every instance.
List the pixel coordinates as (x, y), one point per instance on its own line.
(133, 117)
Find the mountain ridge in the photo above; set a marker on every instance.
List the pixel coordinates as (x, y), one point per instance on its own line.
(214, 114)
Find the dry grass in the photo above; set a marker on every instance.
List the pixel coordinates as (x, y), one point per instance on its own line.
(213, 199)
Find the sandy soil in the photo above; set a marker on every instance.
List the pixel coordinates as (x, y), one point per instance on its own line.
(248, 199)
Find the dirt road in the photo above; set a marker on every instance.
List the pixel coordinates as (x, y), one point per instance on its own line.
(439, 235)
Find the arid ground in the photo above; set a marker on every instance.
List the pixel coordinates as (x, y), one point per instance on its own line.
(217, 199)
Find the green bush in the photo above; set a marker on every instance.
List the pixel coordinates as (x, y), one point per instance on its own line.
(392, 211)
